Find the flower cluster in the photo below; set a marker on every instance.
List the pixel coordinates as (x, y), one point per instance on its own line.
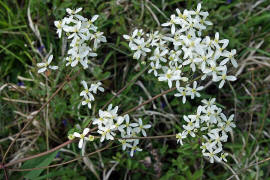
(181, 57)
(170, 54)
(82, 32)
(87, 92)
(213, 124)
(109, 123)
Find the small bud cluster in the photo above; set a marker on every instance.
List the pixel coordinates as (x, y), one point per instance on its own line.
(84, 35)
(213, 124)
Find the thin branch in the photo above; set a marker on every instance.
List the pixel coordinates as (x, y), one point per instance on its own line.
(67, 162)
(68, 79)
(149, 100)
(43, 153)
(40, 154)
(126, 86)
(151, 137)
(5, 171)
(260, 162)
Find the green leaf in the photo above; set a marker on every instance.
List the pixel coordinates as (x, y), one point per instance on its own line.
(37, 162)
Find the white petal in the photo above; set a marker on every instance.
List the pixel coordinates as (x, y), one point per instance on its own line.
(76, 134)
(85, 131)
(42, 70)
(231, 78)
(94, 18)
(53, 67)
(84, 85)
(41, 64)
(80, 143)
(50, 59)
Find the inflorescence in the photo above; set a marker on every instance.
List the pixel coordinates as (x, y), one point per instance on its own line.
(180, 56)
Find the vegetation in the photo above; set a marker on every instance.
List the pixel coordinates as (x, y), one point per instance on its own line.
(23, 91)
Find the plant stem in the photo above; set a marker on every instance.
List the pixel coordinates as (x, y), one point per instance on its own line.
(67, 162)
(67, 79)
(126, 86)
(149, 100)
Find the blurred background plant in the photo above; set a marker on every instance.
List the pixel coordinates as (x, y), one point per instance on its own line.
(23, 91)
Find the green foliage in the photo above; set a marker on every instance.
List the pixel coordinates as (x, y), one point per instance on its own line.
(240, 21)
(36, 163)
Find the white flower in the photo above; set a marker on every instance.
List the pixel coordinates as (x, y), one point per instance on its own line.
(159, 56)
(72, 12)
(174, 20)
(87, 100)
(182, 92)
(119, 121)
(223, 156)
(105, 118)
(229, 57)
(127, 125)
(124, 141)
(216, 138)
(170, 75)
(214, 69)
(141, 127)
(140, 47)
(228, 122)
(131, 38)
(192, 63)
(212, 154)
(224, 77)
(198, 115)
(154, 68)
(80, 31)
(181, 136)
(205, 58)
(86, 90)
(46, 65)
(192, 123)
(134, 147)
(98, 37)
(205, 146)
(59, 25)
(208, 103)
(194, 91)
(106, 133)
(90, 24)
(96, 86)
(189, 130)
(113, 111)
(82, 136)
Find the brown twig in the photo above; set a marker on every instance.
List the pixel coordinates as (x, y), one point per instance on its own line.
(40, 154)
(43, 153)
(5, 171)
(260, 162)
(68, 79)
(149, 100)
(151, 137)
(68, 142)
(126, 86)
(67, 162)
